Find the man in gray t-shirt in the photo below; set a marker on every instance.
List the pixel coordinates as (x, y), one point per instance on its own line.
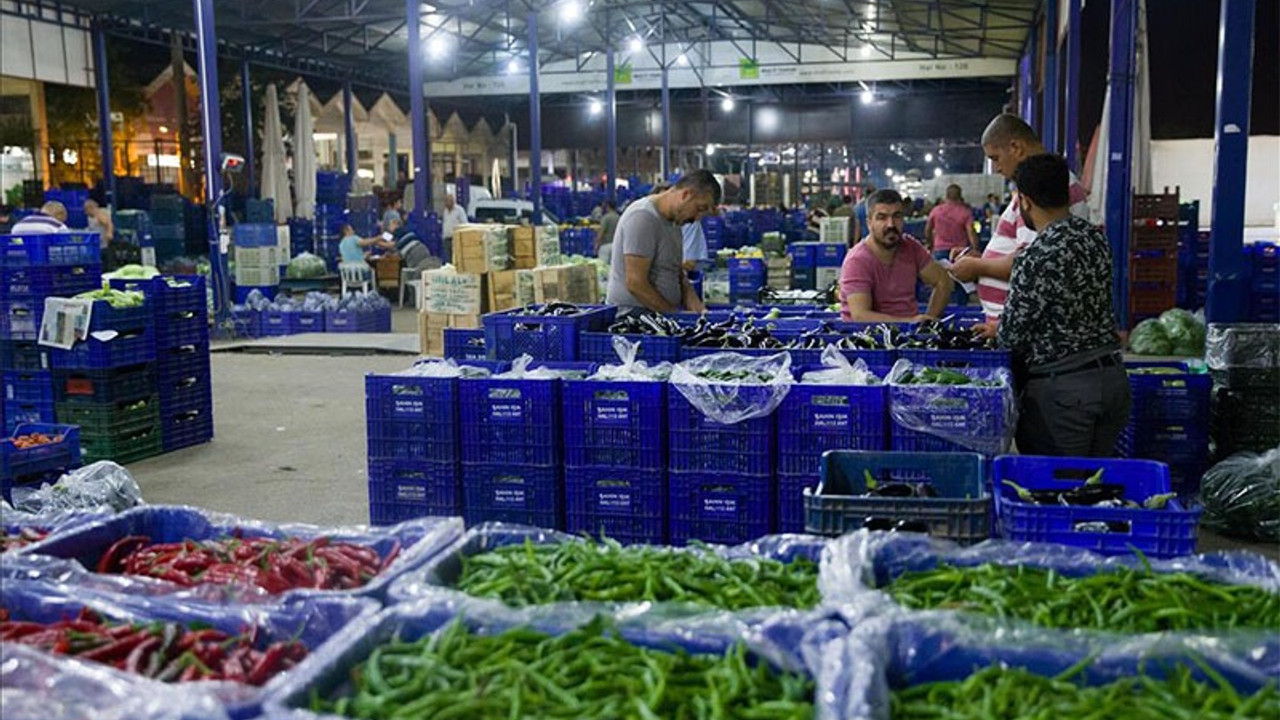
(645, 268)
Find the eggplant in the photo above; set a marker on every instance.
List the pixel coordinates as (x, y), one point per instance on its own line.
(1088, 495)
(914, 526)
(902, 490)
(878, 523)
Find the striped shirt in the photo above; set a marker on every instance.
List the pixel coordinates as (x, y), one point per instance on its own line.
(1012, 235)
(38, 225)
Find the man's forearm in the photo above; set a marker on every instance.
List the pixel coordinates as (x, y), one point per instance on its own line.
(690, 297)
(866, 316)
(998, 268)
(941, 293)
(649, 296)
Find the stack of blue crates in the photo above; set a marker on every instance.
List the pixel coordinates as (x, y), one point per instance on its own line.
(615, 460)
(261, 274)
(578, 241)
(720, 485)
(1168, 422)
(301, 237)
(38, 464)
(1264, 267)
(462, 193)
(804, 265)
(180, 311)
(168, 226)
(32, 268)
(259, 211)
(557, 200)
(746, 277)
(414, 447)
(813, 419)
(713, 230)
(109, 387)
(332, 187)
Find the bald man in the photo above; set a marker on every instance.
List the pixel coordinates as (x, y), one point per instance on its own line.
(52, 218)
(1008, 141)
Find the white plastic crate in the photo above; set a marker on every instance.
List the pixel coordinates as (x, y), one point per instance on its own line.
(259, 257)
(833, 229)
(258, 277)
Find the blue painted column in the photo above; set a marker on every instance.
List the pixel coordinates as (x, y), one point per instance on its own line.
(1228, 299)
(1049, 122)
(349, 125)
(535, 123)
(211, 127)
(1119, 200)
(611, 128)
(104, 114)
(1071, 116)
(666, 126)
(250, 162)
(418, 119)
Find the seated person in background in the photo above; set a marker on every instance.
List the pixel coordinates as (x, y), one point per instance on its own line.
(352, 247)
(52, 218)
(878, 277)
(99, 219)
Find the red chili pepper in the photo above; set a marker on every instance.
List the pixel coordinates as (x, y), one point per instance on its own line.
(120, 649)
(271, 662)
(133, 663)
(112, 559)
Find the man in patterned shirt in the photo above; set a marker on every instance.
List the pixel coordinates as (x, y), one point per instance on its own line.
(1059, 324)
(1008, 141)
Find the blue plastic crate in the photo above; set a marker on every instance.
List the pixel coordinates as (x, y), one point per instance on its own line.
(598, 347)
(19, 412)
(185, 385)
(275, 323)
(1167, 442)
(35, 283)
(1170, 532)
(830, 254)
(804, 256)
(960, 512)
(69, 248)
(815, 418)
(130, 347)
(23, 354)
(1181, 396)
(28, 386)
(970, 417)
(186, 427)
(170, 294)
(412, 418)
(958, 358)
(242, 292)
(348, 321)
(65, 453)
(614, 424)
(510, 421)
(305, 322)
(718, 508)
(20, 319)
(402, 489)
(508, 334)
(464, 344)
(624, 504)
(699, 444)
(790, 500)
(254, 235)
(514, 493)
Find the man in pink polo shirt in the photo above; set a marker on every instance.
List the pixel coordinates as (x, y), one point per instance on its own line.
(1008, 141)
(878, 277)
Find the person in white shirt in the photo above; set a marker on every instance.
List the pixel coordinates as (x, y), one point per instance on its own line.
(52, 218)
(453, 217)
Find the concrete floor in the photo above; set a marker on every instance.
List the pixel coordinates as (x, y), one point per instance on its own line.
(289, 442)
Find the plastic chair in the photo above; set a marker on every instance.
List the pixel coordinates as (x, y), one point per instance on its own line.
(355, 275)
(409, 279)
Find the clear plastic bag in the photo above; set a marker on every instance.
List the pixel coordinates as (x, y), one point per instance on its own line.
(1242, 345)
(306, 265)
(981, 418)
(631, 368)
(839, 371)
(437, 368)
(766, 383)
(91, 487)
(37, 686)
(520, 371)
(1241, 496)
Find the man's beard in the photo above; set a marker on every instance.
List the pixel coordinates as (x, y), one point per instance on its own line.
(889, 239)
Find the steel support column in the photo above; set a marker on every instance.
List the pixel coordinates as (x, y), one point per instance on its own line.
(349, 125)
(611, 129)
(104, 114)
(211, 127)
(666, 126)
(1119, 200)
(418, 122)
(393, 163)
(1071, 116)
(1026, 91)
(250, 162)
(1228, 271)
(1049, 123)
(513, 158)
(535, 122)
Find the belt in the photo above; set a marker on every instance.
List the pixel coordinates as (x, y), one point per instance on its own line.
(1105, 361)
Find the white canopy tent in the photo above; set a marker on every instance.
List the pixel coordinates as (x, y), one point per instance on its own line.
(304, 156)
(275, 180)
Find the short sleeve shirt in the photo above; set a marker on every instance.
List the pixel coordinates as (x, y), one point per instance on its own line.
(695, 241)
(643, 232)
(951, 225)
(892, 287)
(350, 249)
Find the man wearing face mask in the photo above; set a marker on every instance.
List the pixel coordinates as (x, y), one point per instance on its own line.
(646, 264)
(1059, 324)
(878, 276)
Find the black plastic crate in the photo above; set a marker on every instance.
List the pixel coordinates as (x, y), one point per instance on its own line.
(104, 386)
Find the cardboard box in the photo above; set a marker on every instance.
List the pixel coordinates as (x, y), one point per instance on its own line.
(523, 243)
(500, 290)
(481, 248)
(534, 246)
(453, 293)
(581, 285)
(431, 328)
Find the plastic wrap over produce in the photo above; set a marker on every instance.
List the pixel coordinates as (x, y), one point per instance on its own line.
(613, 666)
(248, 560)
(20, 531)
(101, 484)
(306, 265)
(520, 371)
(661, 584)
(36, 686)
(437, 368)
(980, 414)
(1241, 496)
(837, 370)
(730, 388)
(899, 657)
(1242, 345)
(631, 368)
(243, 651)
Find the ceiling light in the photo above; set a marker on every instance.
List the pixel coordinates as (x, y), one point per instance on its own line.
(868, 97)
(570, 11)
(937, 172)
(888, 173)
(436, 46)
(928, 157)
(636, 45)
(513, 67)
(727, 104)
(711, 149)
(682, 59)
(866, 50)
(597, 107)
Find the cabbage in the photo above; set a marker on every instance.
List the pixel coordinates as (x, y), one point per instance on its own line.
(1150, 338)
(1185, 331)
(132, 272)
(306, 265)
